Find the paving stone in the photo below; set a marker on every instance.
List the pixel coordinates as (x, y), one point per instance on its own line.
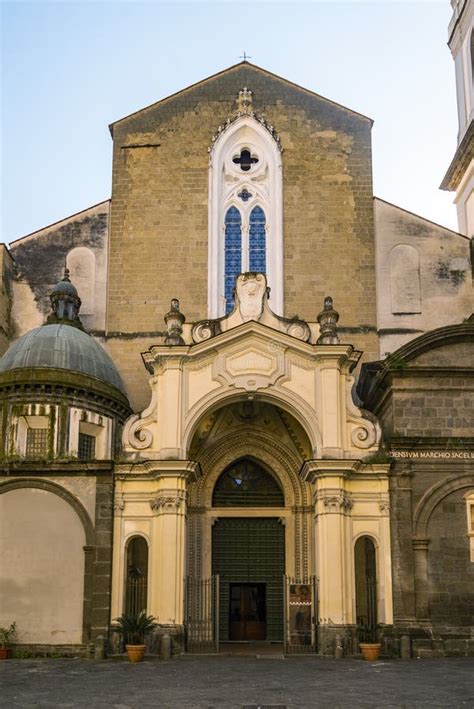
(222, 682)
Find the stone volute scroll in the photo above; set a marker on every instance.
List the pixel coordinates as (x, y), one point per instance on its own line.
(327, 320)
(174, 320)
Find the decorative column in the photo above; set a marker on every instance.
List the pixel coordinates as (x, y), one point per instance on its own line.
(420, 556)
(168, 558)
(331, 508)
(402, 545)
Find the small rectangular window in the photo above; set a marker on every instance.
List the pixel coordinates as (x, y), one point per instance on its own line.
(36, 442)
(86, 448)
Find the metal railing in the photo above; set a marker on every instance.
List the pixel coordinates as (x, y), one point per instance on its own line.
(202, 614)
(136, 595)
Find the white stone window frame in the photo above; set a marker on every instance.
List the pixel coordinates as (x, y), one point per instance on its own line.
(264, 181)
(93, 424)
(470, 521)
(25, 423)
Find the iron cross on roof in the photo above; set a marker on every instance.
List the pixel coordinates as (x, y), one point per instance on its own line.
(245, 56)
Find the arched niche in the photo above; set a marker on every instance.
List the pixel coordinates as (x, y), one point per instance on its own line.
(449, 561)
(81, 264)
(245, 173)
(136, 574)
(365, 565)
(405, 291)
(42, 551)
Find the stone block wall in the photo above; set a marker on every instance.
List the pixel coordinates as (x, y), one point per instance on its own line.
(159, 217)
(450, 569)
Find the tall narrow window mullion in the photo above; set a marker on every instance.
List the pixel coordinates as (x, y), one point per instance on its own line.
(233, 254)
(257, 245)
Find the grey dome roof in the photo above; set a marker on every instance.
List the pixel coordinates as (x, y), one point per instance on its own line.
(65, 287)
(61, 347)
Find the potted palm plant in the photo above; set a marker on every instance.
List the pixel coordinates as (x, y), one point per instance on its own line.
(368, 644)
(134, 627)
(7, 636)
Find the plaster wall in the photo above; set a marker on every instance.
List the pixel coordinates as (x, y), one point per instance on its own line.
(6, 271)
(444, 276)
(79, 242)
(42, 577)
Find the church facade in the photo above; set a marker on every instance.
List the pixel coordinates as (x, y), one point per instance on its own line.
(247, 407)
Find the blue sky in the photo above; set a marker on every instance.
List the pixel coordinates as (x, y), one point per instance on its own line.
(71, 68)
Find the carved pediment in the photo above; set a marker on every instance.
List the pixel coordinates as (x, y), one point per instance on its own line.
(249, 367)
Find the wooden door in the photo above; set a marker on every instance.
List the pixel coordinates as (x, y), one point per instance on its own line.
(247, 611)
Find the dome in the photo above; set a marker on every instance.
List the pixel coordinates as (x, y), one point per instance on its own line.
(61, 347)
(65, 287)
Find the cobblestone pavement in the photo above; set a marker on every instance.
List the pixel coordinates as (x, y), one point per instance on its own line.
(222, 682)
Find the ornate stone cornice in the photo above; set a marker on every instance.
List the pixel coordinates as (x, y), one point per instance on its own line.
(156, 469)
(311, 470)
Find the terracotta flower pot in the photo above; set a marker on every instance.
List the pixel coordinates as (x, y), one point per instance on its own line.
(370, 651)
(135, 652)
(5, 653)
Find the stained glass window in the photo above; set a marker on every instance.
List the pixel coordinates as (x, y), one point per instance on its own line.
(257, 259)
(233, 254)
(246, 484)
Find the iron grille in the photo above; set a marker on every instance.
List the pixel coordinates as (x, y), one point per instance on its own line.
(136, 595)
(37, 441)
(86, 447)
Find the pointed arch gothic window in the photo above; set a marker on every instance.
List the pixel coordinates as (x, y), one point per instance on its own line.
(245, 200)
(257, 245)
(233, 254)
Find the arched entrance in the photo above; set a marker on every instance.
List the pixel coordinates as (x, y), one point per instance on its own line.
(249, 516)
(248, 553)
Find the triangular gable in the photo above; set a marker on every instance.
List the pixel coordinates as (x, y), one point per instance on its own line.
(247, 69)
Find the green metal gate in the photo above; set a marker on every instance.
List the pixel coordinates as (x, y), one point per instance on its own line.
(250, 550)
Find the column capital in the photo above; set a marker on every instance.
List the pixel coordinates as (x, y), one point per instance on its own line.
(334, 501)
(420, 544)
(168, 501)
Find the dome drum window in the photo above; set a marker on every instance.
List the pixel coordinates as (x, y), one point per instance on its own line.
(35, 433)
